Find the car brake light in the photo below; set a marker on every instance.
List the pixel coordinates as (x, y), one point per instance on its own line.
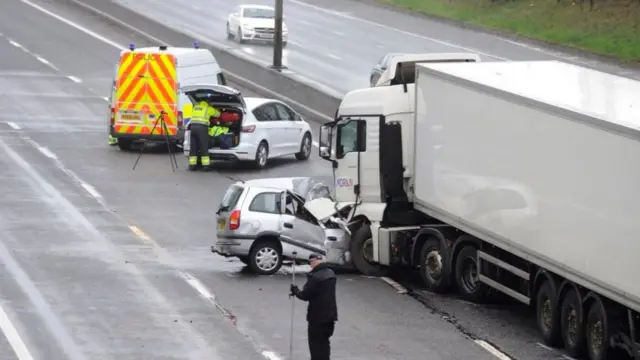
(179, 119)
(113, 116)
(234, 220)
(248, 129)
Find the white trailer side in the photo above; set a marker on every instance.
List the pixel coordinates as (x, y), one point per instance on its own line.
(540, 159)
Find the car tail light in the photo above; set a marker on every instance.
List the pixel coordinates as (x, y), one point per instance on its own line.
(234, 220)
(248, 129)
(180, 121)
(113, 117)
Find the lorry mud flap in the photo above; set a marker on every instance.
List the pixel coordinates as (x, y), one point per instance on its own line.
(302, 245)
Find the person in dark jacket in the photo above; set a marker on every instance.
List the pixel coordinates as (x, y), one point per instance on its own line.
(322, 311)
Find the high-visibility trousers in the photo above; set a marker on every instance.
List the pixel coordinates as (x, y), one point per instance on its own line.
(199, 148)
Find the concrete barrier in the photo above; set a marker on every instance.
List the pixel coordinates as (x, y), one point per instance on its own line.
(314, 104)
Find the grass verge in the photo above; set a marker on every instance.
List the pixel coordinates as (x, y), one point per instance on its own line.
(611, 27)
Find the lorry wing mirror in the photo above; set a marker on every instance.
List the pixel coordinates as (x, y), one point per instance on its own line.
(324, 152)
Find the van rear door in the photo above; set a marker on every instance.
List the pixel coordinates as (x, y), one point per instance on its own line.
(146, 86)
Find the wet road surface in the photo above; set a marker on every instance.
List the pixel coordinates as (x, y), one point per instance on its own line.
(103, 262)
(335, 43)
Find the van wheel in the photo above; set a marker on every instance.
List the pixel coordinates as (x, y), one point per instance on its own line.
(265, 258)
(548, 315)
(433, 267)
(239, 36)
(469, 286)
(262, 155)
(229, 34)
(572, 324)
(361, 248)
(305, 147)
(125, 144)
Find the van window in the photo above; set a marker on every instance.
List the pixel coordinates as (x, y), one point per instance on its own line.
(221, 79)
(230, 198)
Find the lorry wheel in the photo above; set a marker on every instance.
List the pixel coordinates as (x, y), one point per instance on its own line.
(597, 331)
(125, 144)
(433, 267)
(466, 275)
(361, 248)
(572, 324)
(265, 258)
(548, 315)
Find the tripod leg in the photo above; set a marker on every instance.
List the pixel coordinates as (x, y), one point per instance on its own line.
(145, 144)
(172, 157)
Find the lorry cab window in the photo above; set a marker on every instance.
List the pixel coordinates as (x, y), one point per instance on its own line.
(348, 137)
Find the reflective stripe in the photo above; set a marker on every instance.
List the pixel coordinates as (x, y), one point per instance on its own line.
(218, 130)
(205, 160)
(193, 160)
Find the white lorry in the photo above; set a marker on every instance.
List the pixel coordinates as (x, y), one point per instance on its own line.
(519, 177)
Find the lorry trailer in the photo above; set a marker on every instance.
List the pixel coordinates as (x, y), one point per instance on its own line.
(517, 177)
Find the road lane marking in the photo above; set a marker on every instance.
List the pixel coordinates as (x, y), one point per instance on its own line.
(399, 288)
(239, 79)
(46, 152)
(386, 27)
(43, 309)
(13, 337)
(13, 125)
(74, 79)
(492, 350)
(334, 56)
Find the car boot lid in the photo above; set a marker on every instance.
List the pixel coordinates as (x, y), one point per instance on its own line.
(214, 93)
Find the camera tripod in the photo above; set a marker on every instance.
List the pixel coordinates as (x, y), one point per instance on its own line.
(163, 125)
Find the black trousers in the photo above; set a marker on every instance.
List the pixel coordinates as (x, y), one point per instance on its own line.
(199, 138)
(318, 335)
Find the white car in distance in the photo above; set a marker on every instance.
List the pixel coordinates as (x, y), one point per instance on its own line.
(268, 128)
(254, 23)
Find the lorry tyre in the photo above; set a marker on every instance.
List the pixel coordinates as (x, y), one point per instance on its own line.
(361, 248)
(572, 324)
(125, 144)
(466, 275)
(597, 331)
(265, 258)
(548, 314)
(433, 267)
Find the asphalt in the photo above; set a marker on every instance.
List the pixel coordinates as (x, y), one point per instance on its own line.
(104, 262)
(336, 43)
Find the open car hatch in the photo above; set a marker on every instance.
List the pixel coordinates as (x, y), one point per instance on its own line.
(218, 94)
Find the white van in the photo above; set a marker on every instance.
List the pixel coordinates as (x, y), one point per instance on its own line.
(192, 66)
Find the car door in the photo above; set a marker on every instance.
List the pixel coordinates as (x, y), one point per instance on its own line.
(299, 228)
(273, 126)
(292, 128)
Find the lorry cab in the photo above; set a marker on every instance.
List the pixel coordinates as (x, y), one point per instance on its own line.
(132, 114)
(407, 62)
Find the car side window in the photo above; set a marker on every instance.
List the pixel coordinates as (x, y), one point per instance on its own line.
(267, 112)
(284, 113)
(268, 202)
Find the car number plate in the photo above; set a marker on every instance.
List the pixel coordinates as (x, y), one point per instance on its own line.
(221, 225)
(266, 36)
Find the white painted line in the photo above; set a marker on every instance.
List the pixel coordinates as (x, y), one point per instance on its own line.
(399, 288)
(13, 337)
(140, 234)
(545, 347)
(492, 350)
(334, 57)
(105, 98)
(382, 26)
(338, 33)
(46, 152)
(159, 41)
(568, 357)
(270, 355)
(91, 190)
(15, 44)
(198, 286)
(13, 125)
(74, 79)
(43, 60)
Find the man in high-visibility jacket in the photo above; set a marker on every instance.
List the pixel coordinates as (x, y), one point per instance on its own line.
(199, 136)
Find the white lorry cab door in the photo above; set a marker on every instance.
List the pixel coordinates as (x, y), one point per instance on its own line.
(298, 228)
(357, 150)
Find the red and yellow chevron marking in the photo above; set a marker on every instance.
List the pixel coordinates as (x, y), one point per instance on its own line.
(147, 83)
